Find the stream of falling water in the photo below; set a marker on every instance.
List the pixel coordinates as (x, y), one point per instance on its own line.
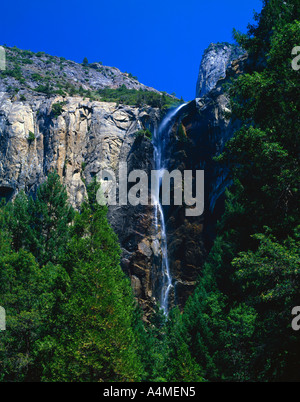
(160, 141)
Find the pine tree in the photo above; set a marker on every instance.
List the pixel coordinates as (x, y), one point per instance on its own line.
(50, 217)
(99, 342)
(71, 312)
(238, 320)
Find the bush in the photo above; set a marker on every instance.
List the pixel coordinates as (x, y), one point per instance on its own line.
(26, 61)
(144, 133)
(36, 77)
(31, 136)
(132, 76)
(57, 109)
(27, 53)
(44, 88)
(16, 73)
(136, 97)
(85, 62)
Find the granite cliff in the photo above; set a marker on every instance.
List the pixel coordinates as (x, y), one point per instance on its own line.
(84, 138)
(215, 61)
(28, 73)
(78, 135)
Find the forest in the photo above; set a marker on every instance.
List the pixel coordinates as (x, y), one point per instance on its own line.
(72, 313)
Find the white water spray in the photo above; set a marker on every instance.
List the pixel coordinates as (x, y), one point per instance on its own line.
(160, 141)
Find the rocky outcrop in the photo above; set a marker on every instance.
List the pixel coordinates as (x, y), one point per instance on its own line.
(134, 226)
(79, 137)
(215, 61)
(84, 138)
(199, 134)
(27, 71)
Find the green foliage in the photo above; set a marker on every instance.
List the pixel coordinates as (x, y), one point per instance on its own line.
(70, 310)
(26, 53)
(85, 62)
(57, 109)
(104, 348)
(275, 14)
(136, 97)
(27, 61)
(15, 72)
(19, 289)
(238, 322)
(144, 134)
(36, 77)
(178, 362)
(132, 76)
(31, 136)
(12, 90)
(46, 89)
(41, 225)
(59, 84)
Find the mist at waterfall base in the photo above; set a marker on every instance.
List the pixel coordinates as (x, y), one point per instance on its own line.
(160, 142)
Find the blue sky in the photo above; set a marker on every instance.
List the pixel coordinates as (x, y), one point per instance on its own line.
(159, 41)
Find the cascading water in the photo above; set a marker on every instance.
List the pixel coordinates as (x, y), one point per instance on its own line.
(160, 141)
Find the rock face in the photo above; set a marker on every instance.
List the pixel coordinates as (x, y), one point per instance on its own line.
(85, 136)
(134, 225)
(215, 61)
(199, 134)
(29, 71)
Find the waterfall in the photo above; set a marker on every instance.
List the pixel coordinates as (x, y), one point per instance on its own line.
(160, 141)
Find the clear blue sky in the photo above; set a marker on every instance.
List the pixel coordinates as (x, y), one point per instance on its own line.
(159, 41)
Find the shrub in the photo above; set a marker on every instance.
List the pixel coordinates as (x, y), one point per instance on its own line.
(85, 62)
(60, 92)
(144, 134)
(133, 77)
(27, 61)
(16, 72)
(28, 53)
(136, 97)
(36, 77)
(31, 136)
(44, 88)
(57, 109)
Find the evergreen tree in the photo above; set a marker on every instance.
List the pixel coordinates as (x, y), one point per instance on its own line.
(85, 62)
(70, 311)
(239, 318)
(49, 218)
(98, 342)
